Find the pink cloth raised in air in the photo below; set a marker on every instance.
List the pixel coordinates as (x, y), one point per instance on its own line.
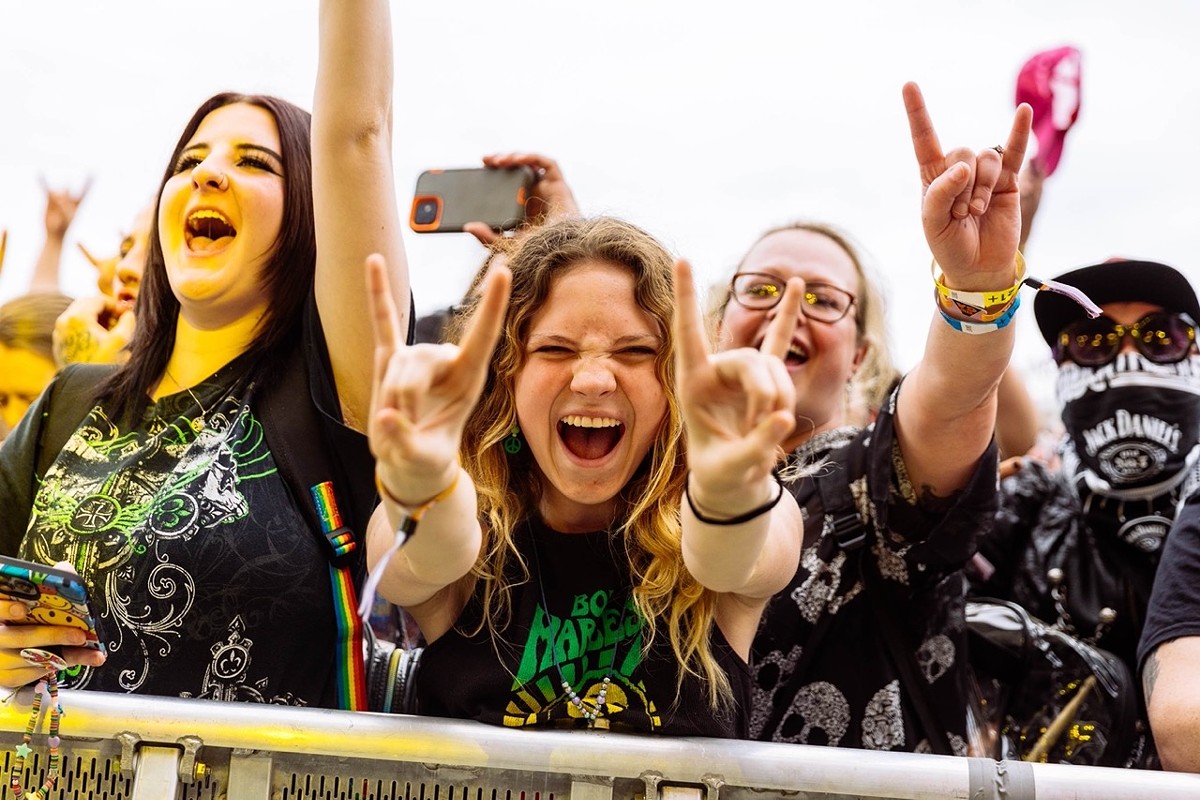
(1050, 83)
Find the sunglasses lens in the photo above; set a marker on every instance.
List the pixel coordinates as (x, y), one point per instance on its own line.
(1090, 342)
(1164, 338)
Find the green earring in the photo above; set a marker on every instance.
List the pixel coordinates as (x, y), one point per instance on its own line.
(512, 442)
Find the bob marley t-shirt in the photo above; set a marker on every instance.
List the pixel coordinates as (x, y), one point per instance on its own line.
(574, 653)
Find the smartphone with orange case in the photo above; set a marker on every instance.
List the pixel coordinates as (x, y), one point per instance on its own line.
(447, 199)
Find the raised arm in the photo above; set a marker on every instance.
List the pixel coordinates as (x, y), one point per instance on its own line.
(354, 199)
(972, 219)
(741, 529)
(422, 398)
(61, 206)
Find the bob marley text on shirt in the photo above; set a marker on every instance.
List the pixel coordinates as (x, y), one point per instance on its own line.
(602, 638)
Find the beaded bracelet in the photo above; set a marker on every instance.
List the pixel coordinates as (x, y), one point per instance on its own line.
(740, 518)
(982, 300)
(981, 327)
(416, 514)
(406, 528)
(48, 686)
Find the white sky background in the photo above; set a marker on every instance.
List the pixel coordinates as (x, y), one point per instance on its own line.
(703, 125)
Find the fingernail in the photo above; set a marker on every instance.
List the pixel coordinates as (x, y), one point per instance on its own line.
(978, 206)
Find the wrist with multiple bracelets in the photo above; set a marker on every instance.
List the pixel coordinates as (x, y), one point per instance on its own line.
(990, 311)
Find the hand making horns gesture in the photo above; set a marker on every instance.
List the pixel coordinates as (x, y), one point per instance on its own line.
(737, 405)
(423, 394)
(971, 209)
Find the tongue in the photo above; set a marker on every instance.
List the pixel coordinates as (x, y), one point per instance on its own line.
(589, 443)
(202, 244)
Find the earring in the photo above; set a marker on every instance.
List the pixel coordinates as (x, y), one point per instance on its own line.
(512, 442)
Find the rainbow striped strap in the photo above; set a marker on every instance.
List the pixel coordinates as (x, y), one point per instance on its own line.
(340, 538)
(351, 669)
(352, 672)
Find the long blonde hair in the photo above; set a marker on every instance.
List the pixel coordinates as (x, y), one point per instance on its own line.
(509, 486)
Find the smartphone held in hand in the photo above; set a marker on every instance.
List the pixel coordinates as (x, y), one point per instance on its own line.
(51, 596)
(447, 199)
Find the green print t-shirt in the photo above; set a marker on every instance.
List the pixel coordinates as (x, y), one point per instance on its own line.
(203, 577)
(576, 625)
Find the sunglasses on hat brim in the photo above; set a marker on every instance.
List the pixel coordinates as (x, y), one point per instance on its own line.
(1163, 337)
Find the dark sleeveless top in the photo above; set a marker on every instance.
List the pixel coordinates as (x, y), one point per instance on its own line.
(582, 628)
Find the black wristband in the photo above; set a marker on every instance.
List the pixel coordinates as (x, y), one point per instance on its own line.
(740, 518)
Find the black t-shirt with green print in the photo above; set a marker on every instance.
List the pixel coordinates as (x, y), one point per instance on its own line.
(578, 625)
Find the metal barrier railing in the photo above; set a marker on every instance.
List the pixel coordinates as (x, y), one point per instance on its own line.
(128, 746)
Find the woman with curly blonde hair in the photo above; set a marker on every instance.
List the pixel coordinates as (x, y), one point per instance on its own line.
(562, 575)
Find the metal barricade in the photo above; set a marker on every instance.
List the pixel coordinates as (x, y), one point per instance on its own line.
(116, 747)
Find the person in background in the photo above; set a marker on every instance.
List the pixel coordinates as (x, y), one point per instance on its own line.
(1169, 649)
(96, 329)
(1080, 545)
(26, 352)
(829, 668)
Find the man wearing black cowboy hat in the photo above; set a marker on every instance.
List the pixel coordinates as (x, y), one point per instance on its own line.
(1128, 390)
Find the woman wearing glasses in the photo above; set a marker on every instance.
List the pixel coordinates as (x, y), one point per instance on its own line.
(911, 489)
(1129, 399)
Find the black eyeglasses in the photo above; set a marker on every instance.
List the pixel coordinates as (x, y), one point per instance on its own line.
(1162, 337)
(760, 291)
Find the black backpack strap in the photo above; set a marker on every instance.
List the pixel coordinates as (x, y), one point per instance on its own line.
(850, 532)
(72, 396)
(301, 451)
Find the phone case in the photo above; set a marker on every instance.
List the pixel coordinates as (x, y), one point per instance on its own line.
(53, 596)
(447, 199)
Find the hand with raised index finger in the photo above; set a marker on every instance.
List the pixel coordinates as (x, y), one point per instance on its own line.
(737, 405)
(423, 394)
(971, 200)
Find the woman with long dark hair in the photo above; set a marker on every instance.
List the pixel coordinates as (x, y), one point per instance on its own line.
(209, 575)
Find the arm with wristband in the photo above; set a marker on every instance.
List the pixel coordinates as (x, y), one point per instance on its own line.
(422, 397)
(971, 216)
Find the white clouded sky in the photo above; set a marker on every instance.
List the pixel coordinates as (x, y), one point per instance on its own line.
(704, 125)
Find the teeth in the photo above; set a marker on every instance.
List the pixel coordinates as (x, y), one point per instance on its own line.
(207, 214)
(591, 422)
(794, 350)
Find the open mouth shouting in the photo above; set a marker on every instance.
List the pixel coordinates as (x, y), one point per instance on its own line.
(208, 230)
(590, 438)
(797, 354)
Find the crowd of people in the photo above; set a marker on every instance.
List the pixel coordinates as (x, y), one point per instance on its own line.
(596, 501)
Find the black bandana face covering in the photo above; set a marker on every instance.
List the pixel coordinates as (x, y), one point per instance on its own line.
(1134, 426)
(1133, 430)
